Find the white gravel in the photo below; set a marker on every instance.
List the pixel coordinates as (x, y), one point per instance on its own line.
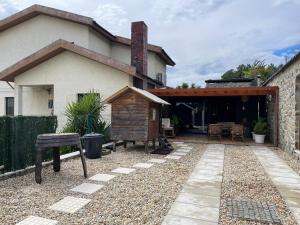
(141, 197)
(245, 178)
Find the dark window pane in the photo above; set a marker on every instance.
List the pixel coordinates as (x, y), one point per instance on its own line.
(9, 106)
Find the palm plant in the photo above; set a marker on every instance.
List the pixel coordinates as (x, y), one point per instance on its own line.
(85, 116)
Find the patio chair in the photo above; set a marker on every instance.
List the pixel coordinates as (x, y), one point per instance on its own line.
(215, 130)
(237, 131)
(168, 130)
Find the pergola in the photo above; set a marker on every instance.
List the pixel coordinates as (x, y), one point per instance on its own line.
(189, 93)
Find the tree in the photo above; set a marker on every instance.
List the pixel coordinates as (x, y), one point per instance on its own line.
(185, 85)
(259, 67)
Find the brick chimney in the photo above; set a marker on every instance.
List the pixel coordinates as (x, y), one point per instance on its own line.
(139, 42)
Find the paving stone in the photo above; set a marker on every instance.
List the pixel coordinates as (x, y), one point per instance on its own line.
(173, 157)
(262, 212)
(123, 170)
(35, 220)
(157, 160)
(102, 177)
(179, 153)
(87, 188)
(202, 189)
(178, 220)
(178, 142)
(201, 200)
(70, 204)
(183, 150)
(143, 165)
(194, 211)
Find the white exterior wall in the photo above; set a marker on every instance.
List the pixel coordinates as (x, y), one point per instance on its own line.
(99, 43)
(155, 66)
(121, 53)
(32, 35)
(71, 74)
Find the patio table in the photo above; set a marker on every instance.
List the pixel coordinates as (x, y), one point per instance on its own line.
(54, 142)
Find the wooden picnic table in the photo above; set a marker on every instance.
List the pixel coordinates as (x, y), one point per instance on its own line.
(54, 142)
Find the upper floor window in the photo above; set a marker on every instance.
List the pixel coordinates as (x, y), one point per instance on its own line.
(159, 77)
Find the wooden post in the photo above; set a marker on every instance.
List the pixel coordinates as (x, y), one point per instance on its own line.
(146, 146)
(82, 160)
(114, 146)
(56, 159)
(38, 166)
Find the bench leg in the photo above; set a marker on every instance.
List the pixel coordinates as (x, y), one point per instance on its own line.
(82, 160)
(56, 159)
(38, 166)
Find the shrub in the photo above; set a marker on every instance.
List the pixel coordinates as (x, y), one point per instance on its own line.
(85, 116)
(261, 127)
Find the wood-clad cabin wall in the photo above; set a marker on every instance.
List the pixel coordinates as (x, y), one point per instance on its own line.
(130, 117)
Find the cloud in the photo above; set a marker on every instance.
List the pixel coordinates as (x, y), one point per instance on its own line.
(204, 37)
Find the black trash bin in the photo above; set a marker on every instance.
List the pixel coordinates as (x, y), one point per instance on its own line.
(93, 145)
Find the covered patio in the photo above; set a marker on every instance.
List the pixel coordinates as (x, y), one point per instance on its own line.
(197, 108)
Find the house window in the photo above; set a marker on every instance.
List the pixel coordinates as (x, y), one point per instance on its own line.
(80, 96)
(159, 77)
(138, 83)
(9, 106)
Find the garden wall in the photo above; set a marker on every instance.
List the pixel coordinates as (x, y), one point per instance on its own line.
(17, 139)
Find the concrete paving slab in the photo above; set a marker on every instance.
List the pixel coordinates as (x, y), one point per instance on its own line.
(102, 177)
(289, 193)
(179, 220)
(194, 211)
(179, 153)
(183, 150)
(36, 220)
(70, 204)
(143, 165)
(87, 188)
(201, 200)
(157, 161)
(203, 189)
(176, 157)
(123, 170)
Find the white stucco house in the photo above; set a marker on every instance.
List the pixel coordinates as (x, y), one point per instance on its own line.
(51, 57)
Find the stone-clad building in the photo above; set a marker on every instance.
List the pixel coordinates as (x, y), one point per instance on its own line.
(288, 81)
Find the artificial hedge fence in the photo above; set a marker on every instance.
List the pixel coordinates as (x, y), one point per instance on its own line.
(17, 139)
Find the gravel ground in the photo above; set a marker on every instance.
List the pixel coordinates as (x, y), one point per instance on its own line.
(143, 197)
(244, 178)
(293, 163)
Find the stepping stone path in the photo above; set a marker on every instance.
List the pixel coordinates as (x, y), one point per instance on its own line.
(87, 188)
(70, 204)
(102, 177)
(35, 220)
(123, 170)
(143, 165)
(286, 180)
(157, 161)
(199, 201)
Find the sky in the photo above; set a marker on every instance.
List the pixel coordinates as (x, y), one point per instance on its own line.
(204, 37)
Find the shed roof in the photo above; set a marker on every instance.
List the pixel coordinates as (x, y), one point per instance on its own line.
(144, 93)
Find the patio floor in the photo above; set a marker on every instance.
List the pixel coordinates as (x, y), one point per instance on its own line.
(195, 184)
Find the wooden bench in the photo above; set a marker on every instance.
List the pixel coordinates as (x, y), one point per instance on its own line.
(54, 142)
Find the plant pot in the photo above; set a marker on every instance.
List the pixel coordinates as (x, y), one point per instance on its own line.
(259, 139)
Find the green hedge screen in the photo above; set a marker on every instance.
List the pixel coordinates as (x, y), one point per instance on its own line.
(17, 139)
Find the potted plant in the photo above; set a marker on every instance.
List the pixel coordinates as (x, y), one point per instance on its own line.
(260, 130)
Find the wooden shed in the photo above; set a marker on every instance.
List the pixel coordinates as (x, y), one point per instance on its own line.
(135, 116)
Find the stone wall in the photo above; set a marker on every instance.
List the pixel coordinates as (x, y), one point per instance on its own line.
(287, 81)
